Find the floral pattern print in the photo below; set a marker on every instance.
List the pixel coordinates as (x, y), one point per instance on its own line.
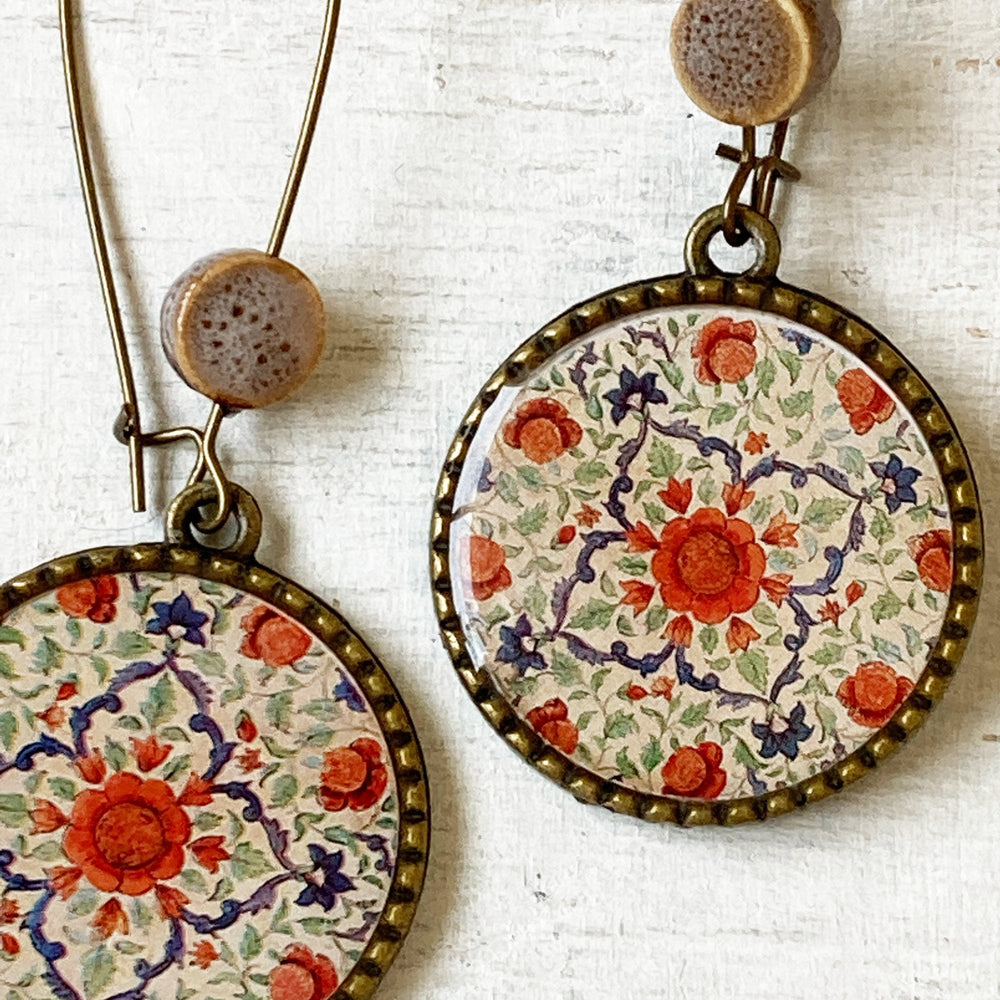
(717, 564)
(197, 799)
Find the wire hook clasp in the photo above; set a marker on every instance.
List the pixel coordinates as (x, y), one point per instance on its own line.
(764, 171)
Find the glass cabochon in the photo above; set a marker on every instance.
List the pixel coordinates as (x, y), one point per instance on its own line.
(703, 551)
(198, 798)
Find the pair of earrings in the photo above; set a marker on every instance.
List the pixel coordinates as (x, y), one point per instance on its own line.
(705, 550)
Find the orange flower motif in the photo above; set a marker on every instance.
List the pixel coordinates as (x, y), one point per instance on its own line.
(736, 497)
(171, 900)
(637, 595)
(865, 402)
(855, 591)
(208, 852)
(47, 817)
(872, 694)
(488, 567)
(709, 565)
(53, 717)
(641, 539)
(680, 631)
(353, 777)
(273, 638)
(663, 687)
(128, 835)
(543, 430)
(551, 722)
(10, 944)
(93, 599)
(831, 611)
(695, 772)
(566, 534)
(110, 919)
(9, 911)
(204, 954)
(777, 587)
(64, 879)
(755, 443)
(677, 496)
(931, 552)
(196, 792)
(249, 761)
(92, 767)
(588, 516)
(725, 351)
(740, 634)
(780, 532)
(150, 752)
(303, 975)
(636, 692)
(246, 729)
(66, 690)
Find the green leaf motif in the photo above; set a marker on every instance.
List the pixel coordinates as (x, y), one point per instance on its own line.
(249, 861)
(620, 724)
(251, 945)
(824, 512)
(828, 654)
(652, 755)
(664, 462)
(536, 602)
(632, 565)
(98, 971)
(886, 606)
(752, 666)
(852, 460)
(593, 408)
(13, 810)
(160, 705)
(596, 614)
(709, 639)
(625, 765)
(507, 490)
(792, 363)
(798, 404)
(279, 710)
(766, 373)
(765, 614)
(209, 662)
(721, 413)
(566, 670)
(598, 678)
(12, 636)
(532, 520)
(656, 618)
(114, 754)
(673, 373)
(62, 788)
(914, 643)
(48, 655)
(129, 645)
(531, 477)
(694, 715)
(8, 729)
(588, 473)
(881, 527)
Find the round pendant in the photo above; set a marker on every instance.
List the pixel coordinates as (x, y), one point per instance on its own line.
(706, 549)
(209, 786)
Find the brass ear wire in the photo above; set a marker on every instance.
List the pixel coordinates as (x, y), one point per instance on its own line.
(128, 426)
(765, 171)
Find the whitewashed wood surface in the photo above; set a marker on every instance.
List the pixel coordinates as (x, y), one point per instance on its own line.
(480, 165)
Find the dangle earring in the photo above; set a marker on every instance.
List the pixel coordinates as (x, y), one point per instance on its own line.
(706, 547)
(211, 786)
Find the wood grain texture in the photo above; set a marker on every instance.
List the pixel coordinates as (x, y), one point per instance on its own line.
(481, 165)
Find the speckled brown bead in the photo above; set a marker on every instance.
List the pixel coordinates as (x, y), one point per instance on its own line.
(751, 62)
(242, 327)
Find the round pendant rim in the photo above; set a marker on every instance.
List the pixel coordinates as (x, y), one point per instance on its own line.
(328, 625)
(873, 349)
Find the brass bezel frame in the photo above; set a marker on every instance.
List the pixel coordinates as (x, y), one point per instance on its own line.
(853, 334)
(407, 758)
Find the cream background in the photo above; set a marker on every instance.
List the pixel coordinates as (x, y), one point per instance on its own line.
(481, 165)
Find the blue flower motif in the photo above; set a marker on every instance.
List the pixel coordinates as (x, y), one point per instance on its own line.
(787, 742)
(512, 648)
(631, 385)
(346, 691)
(485, 484)
(333, 882)
(179, 614)
(800, 340)
(897, 482)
